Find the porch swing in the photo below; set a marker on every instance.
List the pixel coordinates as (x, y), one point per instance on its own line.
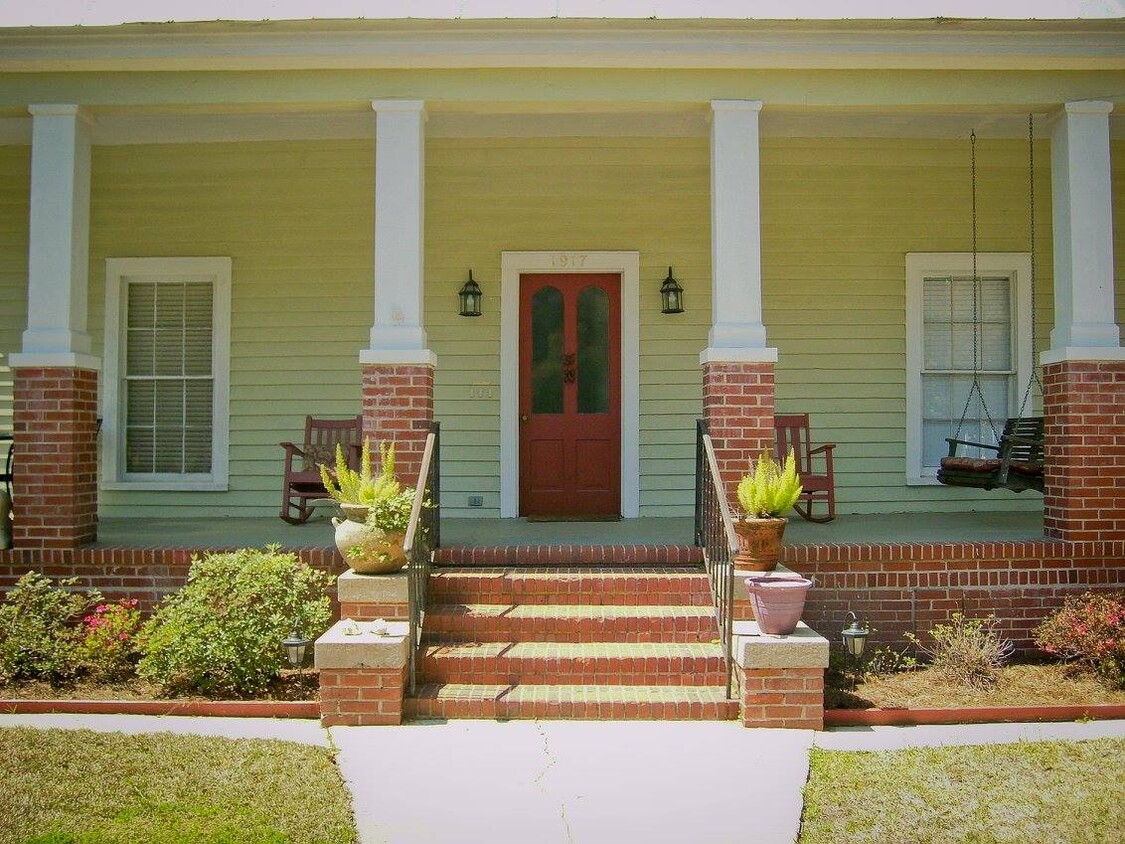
(1018, 464)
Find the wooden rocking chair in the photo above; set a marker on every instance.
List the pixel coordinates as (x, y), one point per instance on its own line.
(1018, 464)
(302, 476)
(792, 431)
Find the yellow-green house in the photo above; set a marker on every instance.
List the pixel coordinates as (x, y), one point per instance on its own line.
(260, 208)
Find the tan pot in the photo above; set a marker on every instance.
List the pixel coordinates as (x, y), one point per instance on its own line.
(380, 552)
(759, 543)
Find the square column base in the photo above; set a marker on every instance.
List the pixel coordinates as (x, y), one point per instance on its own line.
(780, 678)
(362, 677)
(398, 406)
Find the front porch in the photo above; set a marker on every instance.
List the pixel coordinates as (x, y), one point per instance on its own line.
(849, 530)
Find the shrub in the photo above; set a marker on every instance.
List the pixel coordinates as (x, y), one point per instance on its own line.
(967, 650)
(36, 639)
(107, 641)
(887, 660)
(1089, 629)
(221, 633)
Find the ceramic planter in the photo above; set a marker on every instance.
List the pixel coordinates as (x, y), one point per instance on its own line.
(778, 602)
(378, 551)
(759, 543)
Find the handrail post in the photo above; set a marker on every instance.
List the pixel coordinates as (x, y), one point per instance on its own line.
(422, 536)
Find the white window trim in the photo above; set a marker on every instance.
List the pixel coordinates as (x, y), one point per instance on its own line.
(512, 265)
(1016, 265)
(113, 458)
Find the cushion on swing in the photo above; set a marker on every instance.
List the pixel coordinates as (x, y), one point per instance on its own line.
(970, 464)
(1032, 468)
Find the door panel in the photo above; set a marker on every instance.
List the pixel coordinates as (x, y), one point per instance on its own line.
(570, 394)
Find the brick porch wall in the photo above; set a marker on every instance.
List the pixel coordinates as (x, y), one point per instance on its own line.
(1084, 479)
(738, 406)
(910, 587)
(398, 404)
(56, 466)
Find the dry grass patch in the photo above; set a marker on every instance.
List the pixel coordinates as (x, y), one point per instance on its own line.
(1049, 684)
(1062, 792)
(84, 787)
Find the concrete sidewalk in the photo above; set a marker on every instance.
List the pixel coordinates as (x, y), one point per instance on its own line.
(586, 782)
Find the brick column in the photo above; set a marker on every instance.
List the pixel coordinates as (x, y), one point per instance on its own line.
(398, 404)
(1084, 476)
(738, 406)
(780, 680)
(362, 676)
(56, 464)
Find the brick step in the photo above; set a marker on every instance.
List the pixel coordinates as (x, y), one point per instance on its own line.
(568, 623)
(653, 585)
(569, 555)
(455, 700)
(570, 663)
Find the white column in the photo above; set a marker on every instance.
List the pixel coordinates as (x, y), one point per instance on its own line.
(397, 335)
(737, 332)
(1083, 235)
(58, 241)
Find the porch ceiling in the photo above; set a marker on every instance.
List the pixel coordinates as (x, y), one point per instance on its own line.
(848, 529)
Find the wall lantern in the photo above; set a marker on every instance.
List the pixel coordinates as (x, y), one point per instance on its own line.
(671, 295)
(854, 636)
(295, 647)
(470, 296)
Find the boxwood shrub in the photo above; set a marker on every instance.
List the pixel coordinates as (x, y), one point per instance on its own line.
(220, 635)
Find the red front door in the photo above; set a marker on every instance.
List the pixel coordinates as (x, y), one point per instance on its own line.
(570, 395)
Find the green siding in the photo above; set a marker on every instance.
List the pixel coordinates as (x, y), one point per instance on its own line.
(15, 179)
(296, 219)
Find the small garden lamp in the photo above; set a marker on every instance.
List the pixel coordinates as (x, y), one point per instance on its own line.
(671, 295)
(470, 297)
(295, 646)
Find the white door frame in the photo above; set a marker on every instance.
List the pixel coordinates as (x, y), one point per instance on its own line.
(512, 266)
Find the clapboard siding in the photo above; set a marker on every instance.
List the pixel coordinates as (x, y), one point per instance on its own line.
(296, 219)
(838, 218)
(484, 196)
(15, 177)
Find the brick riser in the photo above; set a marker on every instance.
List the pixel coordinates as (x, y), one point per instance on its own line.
(641, 556)
(582, 702)
(655, 586)
(489, 624)
(451, 664)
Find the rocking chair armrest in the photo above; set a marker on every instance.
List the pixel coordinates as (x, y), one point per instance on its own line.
(826, 448)
(291, 451)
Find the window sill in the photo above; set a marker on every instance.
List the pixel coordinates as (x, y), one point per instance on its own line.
(168, 486)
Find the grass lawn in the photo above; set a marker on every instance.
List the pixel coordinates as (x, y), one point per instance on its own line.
(1072, 792)
(83, 787)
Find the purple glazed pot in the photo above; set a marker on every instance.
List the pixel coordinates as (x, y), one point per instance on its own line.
(778, 602)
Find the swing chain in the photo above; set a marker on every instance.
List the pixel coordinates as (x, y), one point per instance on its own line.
(1031, 205)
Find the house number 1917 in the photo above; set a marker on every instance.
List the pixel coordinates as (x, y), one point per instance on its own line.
(564, 261)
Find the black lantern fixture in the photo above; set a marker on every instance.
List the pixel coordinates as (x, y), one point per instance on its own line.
(671, 295)
(295, 646)
(470, 296)
(854, 636)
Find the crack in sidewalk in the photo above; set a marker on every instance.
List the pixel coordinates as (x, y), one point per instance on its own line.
(551, 762)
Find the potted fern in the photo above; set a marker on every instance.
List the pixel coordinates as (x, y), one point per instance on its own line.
(769, 490)
(376, 509)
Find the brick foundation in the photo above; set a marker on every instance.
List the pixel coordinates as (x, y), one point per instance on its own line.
(398, 405)
(910, 587)
(361, 697)
(55, 488)
(1084, 477)
(738, 406)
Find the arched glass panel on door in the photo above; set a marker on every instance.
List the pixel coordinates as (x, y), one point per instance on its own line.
(593, 351)
(547, 351)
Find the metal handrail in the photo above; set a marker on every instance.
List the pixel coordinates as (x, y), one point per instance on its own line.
(714, 532)
(422, 537)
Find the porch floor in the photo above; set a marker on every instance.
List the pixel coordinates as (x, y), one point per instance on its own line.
(317, 533)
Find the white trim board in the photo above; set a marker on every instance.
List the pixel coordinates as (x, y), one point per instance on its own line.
(512, 265)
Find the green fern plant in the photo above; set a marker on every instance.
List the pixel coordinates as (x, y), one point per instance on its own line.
(363, 487)
(769, 489)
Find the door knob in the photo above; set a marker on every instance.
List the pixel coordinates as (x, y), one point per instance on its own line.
(523, 419)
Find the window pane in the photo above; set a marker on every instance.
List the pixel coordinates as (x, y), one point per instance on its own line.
(547, 351)
(140, 351)
(593, 351)
(138, 449)
(169, 351)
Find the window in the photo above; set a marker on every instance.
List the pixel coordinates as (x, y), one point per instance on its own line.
(167, 357)
(940, 347)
